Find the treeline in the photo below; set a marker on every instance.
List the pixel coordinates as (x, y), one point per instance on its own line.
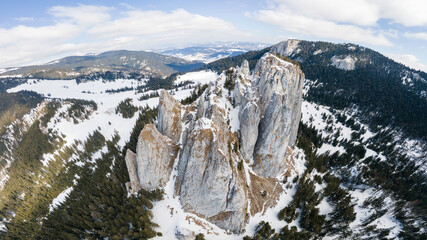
(110, 76)
(399, 177)
(80, 109)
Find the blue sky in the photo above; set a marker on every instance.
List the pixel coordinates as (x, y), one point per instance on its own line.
(33, 32)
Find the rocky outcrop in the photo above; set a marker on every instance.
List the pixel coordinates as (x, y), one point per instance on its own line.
(249, 121)
(132, 167)
(286, 48)
(209, 183)
(154, 158)
(169, 116)
(344, 63)
(279, 87)
(241, 121)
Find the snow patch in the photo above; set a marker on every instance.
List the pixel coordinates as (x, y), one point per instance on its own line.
(201, 77)
(319, 51)
(56, 202)
(347, 63)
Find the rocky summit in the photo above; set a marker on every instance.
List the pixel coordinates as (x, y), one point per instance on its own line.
(227, 149)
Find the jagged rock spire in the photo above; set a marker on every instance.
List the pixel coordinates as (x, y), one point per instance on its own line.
(251, 118)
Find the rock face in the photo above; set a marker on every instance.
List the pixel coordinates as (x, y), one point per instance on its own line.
(345, 63)
(249, 121)
(286, 48)
(241, 121)
(209, 183)
(279, 87)
(132, 167)
(169, 117)
(154, 158)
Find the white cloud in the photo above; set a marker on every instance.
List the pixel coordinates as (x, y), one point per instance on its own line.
(176, 24)
(82, 14)
(344, 20)
(408, 13)
(419, 35)
(301, 24)
(87, 28)
(408, 60)
(359, 12)
(24, 19)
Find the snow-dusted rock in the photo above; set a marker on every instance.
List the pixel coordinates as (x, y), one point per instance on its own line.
(245, 67)
(220, 131)
(154, 158)
(208, 181)
(209, 184)
(345, 63)
(169, 116)
(279, 87)
(286, 48)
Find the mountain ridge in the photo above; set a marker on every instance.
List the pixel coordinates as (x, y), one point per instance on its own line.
(141, 62)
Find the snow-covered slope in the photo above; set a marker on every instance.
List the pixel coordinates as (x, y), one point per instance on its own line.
(105, 117)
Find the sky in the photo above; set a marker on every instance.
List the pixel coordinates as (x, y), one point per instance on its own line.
(35, 32)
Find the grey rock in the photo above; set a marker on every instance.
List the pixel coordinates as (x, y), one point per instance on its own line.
(249, 120)
(208, 181)
(132, 170)
(286, 48)
(245, 68)
(169, 116)
(155, 154)
(209, 184)
(279, 87)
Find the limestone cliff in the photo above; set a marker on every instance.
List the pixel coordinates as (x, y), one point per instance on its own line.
(153, 160)
(233, 142)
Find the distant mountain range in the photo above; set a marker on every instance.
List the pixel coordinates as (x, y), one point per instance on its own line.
(145, 63)
(160, 63)
(211, 52)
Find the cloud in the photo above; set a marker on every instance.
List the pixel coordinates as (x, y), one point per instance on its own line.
(89, 28)
(344, 20)
(419, 35)
(24, 19)
(409, 13)
(321, 28)
(359, 12)
(82, 14)
(408, 60)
